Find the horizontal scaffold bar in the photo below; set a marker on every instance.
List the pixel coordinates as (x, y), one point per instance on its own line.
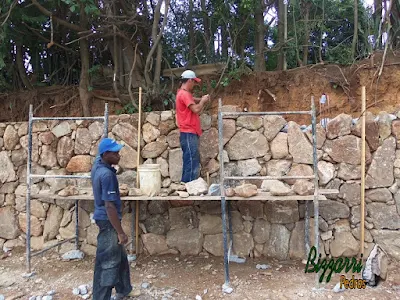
(60, 176)
(266, 177)
(67, 118)
(265, 113)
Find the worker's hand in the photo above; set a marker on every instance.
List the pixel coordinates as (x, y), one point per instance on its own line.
(123, 238)
(205, 98)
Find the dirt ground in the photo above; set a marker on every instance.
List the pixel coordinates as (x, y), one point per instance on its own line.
(175, 277)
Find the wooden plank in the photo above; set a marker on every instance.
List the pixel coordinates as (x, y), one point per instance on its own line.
(328, 191)
(259, 197)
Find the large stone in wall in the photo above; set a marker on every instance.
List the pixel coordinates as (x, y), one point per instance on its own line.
(251, 208)
(299, 146)
(96, 130)
(37, 209)
(128, 158)
(65, 150)
(79, 164)
(349, 171)
(279, 146)
(351, 193)
(35, 145)
(212, 166)
(371, 130)
(154, 243)
(175, 163)
(297, 247)
(330, 210)
(282, 212)
(208, 147)
(320, 136)
(379, 195)
(166, 126)
(153, 118)
(247, 144)
(385, 123)
(389, 240)
(7, 173)
(187, 241)
(92, 232)
(249, 167)
(249, 122)
(36, 225)
(278, 243)
(261, 231)
(48, 157)
(396, 130)
(338, 126)
(154, 149)
(47, 138)
(326, 172)
(278, 167)
(183, 217)
(272, 125)
(83, 141)
(127, 133)
(346, 149)
(210, 224)
(19, 157)
(163, 166)
(243, 244)
(52, 223)
(150, 133)
(8, 225)
(299, 170)
(344, 244)
(173, 139)
(157, 224)
(62, 129)
(384, 216)
(380, 172)
(214, 244)
(158, 207)
(229, 129)
(10, 138)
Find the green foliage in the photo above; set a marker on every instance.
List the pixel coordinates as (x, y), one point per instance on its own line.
(127, 109)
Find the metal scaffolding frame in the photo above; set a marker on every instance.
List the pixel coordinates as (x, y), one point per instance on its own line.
(225, 205)
(30, 176)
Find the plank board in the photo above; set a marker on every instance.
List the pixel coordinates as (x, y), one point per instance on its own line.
(263, 196)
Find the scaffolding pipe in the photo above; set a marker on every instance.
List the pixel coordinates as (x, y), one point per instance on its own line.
(316, 187)
(267, 177)
(222, 192)
(28, 192)
(29, 177)
(264, 113)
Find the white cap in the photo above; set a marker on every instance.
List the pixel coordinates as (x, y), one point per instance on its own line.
(189, 74)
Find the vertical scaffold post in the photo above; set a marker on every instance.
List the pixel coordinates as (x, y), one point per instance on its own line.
(222, 191)
(76, 224)
(105, 134)
(28, 192)
(316, 188)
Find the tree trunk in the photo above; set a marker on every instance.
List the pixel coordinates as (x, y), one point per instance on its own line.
(281, 35)
(259, 38)
(306, 33)
(21, 68)
(224, 38)
(355, 33)
(191, 34)
(207, 33)
(84, 83)
(157, 71)
(377, 12)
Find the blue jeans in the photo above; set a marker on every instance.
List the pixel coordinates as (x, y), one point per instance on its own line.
(111, 266)
(191, 156)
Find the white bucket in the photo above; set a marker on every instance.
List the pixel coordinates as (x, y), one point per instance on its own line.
(150, 179)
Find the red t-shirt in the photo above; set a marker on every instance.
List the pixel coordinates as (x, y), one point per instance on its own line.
(188, 121)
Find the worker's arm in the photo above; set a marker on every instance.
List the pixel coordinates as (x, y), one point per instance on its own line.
(115, 222)
(109, 194)
(198, 107)
(196, 100)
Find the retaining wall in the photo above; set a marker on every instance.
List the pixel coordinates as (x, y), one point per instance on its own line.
(253, 146)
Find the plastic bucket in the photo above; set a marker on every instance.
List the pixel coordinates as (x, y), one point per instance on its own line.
(150, 179)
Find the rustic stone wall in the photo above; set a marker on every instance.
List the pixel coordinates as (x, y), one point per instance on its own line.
(253, 146)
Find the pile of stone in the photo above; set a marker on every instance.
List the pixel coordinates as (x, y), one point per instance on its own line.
(49, 296)
(82, 291)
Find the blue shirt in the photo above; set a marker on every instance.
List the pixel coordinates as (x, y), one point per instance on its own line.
(105, 188)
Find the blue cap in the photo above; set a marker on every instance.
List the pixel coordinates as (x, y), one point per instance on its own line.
(110, 145)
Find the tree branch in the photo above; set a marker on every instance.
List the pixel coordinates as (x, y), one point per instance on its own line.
(44, 11)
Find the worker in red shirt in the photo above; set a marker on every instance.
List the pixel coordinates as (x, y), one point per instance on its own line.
(188, 109)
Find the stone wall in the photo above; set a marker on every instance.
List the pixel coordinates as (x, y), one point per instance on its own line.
(254, 146)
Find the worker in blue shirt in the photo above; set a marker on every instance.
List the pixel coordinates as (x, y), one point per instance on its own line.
(111, 267)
